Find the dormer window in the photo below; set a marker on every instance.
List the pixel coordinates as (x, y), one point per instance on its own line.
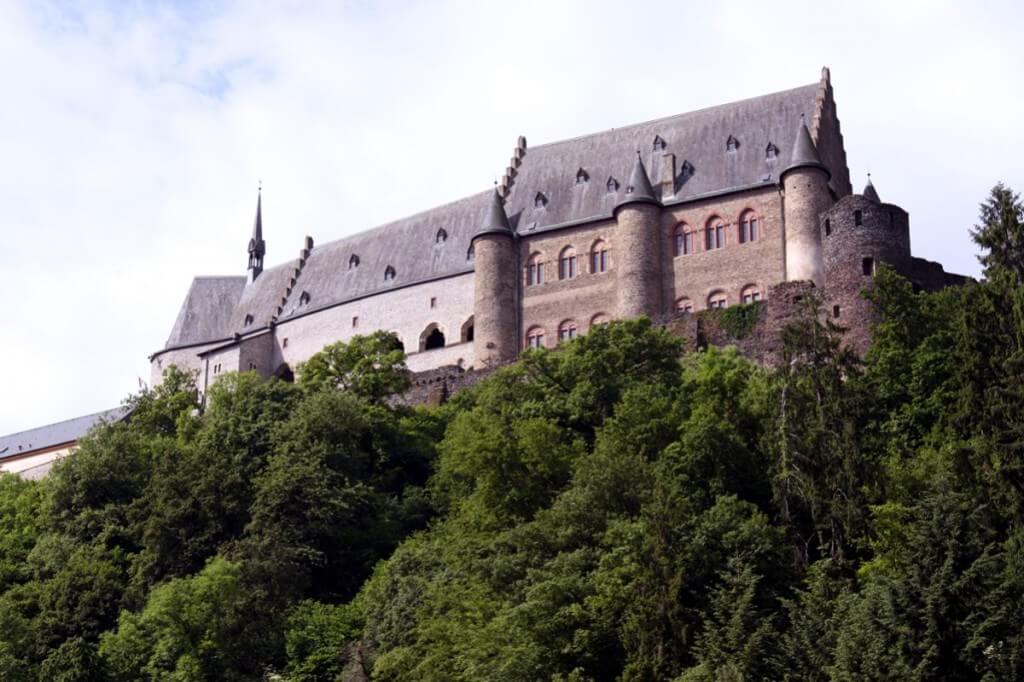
(582, 177)
(771, 152)
(686, 170)
(304, 298)
(353, 262)
(540, 201)
(659, 144)
(612, 185)
(389, 273)
(732, 144)
(248, 320)
(441, 237)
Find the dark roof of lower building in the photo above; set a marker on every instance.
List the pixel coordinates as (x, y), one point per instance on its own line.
(43, 437)
(729, 147)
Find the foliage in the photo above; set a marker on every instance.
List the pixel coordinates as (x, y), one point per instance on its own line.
(739, 320)
(372, 367)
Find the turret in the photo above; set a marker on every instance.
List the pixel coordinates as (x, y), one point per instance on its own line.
(637, 238)
(857, 234)
(806, 196)
(495, 320)
(257, 247)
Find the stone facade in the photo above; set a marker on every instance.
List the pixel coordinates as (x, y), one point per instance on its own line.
(748, 202)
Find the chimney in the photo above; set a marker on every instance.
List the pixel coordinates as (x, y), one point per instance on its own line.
(668, 175)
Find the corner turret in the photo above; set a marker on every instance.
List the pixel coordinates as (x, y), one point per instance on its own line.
(257, 247)
(638, 221)
(806, 195)
(495, 317)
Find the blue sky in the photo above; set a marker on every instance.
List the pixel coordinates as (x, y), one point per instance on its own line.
(132, 135)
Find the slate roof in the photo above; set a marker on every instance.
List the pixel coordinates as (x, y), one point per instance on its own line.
(706, 163)
(43, 437)
(206, 313)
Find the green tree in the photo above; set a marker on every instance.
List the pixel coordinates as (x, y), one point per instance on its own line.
(1000, 233)
(372, 367)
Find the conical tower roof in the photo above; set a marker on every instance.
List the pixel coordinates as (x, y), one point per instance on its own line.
(639, 189)
(495, 220)
(804, 153)
(870, 192)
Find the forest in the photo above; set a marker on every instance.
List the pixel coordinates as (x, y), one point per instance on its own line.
(619, 508)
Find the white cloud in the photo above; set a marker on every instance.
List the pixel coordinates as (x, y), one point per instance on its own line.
(132, 134)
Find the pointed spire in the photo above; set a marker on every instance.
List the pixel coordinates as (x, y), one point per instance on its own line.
(639, 189)
(257, 247)
(870, 192)
(495, 220)
(804, 154)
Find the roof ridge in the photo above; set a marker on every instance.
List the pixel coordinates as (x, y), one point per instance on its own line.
(674, 116)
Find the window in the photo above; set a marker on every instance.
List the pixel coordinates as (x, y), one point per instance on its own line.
(353, 261)
(567, 263)
(304, 298)
(540, 201)
(771, 151)
(535, 338)
(567, 331)
(684, 305)
(749, 228)
(828, 227)
(717, 300)
(682, 240)
(252, 365)
(466, 333)
(598, 319)
(858, 218)
(659, 144)
(534, 270)
(389, 273)
(441, 237)
(732, 144)
(284, 342)
(835, 311)
(581, 176)
(431, 338)
(612, 185)
(867, 266)
(750, 294)
(248, 320)
(433, 302)
(714, 234)
(599, 257)
(355, 321)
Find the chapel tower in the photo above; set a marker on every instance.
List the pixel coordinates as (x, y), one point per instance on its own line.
(257, 247)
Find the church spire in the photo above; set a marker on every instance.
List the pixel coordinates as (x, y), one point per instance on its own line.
(257, 247)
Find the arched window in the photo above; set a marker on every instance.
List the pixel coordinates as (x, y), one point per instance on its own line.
(353, 261)
(567, 263)
(535, 337)
(717, 299)
(534, 270)
(599, 257)
(714, 234)
(612, 185)
(684, 305)
(598, 319)
(682, 240)
(441, 237)
(304, 298)
(466, 333)
(431, 338)
(248, 320)
(750, 294)
(750, 228)
(567, 331)
(389, 273)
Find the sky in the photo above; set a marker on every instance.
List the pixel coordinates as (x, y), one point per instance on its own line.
(133, 134)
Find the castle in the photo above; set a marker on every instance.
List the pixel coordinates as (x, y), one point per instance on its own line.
(697, 211)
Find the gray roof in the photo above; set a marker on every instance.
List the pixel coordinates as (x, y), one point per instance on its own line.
(495, 221)
(804, 153)
(206, 313)
(870, 192)
(548, 190)
(48, 436)
(638, 190)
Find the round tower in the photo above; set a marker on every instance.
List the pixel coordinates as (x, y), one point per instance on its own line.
(638, 257)
(805, 187)
(495, 336)
(857, 234)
